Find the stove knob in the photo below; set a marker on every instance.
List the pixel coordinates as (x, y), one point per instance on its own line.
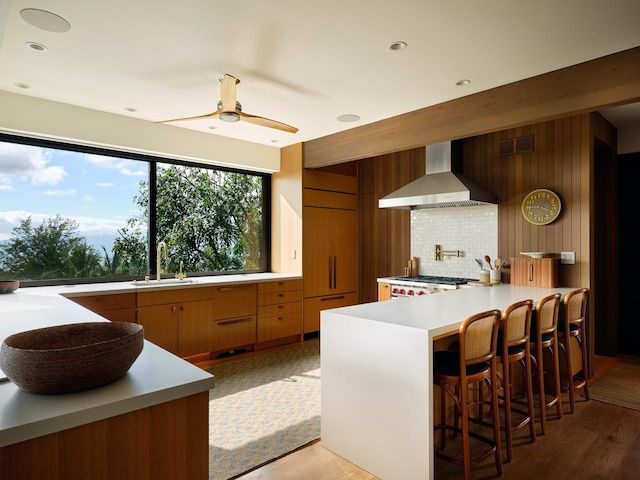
(402, 291)
(395, 290)
(421, 292)
(410, 292)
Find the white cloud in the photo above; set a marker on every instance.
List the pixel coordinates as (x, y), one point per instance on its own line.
(86, 225)
(121, 165)
(60, 193)
(105, 184)
(28, 162)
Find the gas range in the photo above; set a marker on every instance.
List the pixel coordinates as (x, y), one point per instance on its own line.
(418, 285)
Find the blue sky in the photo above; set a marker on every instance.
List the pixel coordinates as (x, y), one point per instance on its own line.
(95, 191)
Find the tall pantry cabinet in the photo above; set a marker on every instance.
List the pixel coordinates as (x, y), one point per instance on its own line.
(330, 244)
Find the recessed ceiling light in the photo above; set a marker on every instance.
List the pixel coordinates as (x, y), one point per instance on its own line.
(463, 82)
(398, 46)
(36, 46)
(45, 20)
(22, 85)
(274, 140)
(348, 117)
(131, 109)
(212, 127)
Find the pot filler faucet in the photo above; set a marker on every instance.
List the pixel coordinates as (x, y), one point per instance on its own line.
(161, 245)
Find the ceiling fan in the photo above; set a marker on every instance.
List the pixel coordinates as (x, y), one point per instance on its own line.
(230, 110)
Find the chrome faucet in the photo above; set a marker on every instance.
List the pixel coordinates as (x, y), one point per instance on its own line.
(159, 259)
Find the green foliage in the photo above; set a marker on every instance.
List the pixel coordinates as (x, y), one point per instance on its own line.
(49, 251)
(210, 219)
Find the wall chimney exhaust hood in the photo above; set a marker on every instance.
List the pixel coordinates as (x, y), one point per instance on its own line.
(440, 187)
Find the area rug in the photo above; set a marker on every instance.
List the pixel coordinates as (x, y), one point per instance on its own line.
(262, 407)
(620, 385)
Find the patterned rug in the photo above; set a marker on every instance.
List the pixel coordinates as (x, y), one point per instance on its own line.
(262, 407)
(620, 385)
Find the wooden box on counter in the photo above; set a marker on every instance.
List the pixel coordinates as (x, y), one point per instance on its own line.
(535, 272)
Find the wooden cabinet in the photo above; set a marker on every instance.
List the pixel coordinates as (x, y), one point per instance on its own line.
(535, 272)
(178, 320)
(117, 307)
(330, 244)
(234, 323)
(279, 310)
(384, 291)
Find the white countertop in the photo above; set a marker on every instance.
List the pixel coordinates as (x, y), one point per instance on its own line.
(443, 312)
(157, 376)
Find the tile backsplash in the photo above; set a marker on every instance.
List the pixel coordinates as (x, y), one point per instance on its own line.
(472, 230)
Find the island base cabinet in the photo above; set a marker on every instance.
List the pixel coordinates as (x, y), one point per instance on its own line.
(313, 306)
(165, 441)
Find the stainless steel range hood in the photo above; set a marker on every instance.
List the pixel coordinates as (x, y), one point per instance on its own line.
(440, 187)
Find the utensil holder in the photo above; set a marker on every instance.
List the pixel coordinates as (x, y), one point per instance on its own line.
(495, 276)
(484, 276)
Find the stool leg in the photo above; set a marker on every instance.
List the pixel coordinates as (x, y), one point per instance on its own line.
(585, 366)
(464, 414)
(556, 373)
(506, 386)
(541, 391)
(530, 400)
(495, 416)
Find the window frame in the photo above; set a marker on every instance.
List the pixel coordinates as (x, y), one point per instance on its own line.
(153, 161)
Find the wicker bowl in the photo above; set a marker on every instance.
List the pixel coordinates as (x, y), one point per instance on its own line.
(9, 286)
(71, 358)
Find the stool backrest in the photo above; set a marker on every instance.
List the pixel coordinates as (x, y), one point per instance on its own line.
(516, 323)
(575, 306)
(547, 314)
(478, 337)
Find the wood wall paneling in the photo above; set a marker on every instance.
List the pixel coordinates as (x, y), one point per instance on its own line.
(586, 87)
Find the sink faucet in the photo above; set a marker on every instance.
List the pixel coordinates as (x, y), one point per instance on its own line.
(180, 275)
(161, 245)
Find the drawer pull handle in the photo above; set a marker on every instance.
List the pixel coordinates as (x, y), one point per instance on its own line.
(338, 297)
(236, 320)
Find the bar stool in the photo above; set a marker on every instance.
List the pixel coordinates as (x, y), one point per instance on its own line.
(473, 363)
(514, 347)
(574, 326)
(544, 335)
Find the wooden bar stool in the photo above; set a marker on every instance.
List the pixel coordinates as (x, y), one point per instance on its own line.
(544, 335)
(473, 363)
(514, 347)
(574, 327)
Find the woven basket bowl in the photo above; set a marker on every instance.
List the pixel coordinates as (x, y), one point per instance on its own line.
(71, 358)
(9, 286)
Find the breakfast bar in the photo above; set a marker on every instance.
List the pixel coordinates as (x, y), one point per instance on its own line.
(377, 380)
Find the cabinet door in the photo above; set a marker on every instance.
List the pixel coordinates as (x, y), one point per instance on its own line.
(344, 242)
(195, 326)
(384, 291)
(160, 324)
(318, 258)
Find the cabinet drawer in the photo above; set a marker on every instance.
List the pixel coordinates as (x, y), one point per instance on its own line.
(279, 309)
(313, 306)
(97, 303)
(271, 328)
(279, 286)
(233, 333)
(281, 297)
(235, 300)
(179, 295)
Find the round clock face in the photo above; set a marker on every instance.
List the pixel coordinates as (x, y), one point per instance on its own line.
(541, 206)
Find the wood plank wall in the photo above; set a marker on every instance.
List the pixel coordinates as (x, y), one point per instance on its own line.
(385, 234)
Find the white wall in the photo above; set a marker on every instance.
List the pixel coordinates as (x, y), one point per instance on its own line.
(33, 117)
(472, 230)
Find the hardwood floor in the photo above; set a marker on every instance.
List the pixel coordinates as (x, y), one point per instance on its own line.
(599, 441)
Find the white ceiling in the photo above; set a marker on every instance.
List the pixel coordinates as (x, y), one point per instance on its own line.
(302, 63)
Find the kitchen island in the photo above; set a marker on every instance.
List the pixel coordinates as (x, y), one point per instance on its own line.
(377, 378)
(150, 424)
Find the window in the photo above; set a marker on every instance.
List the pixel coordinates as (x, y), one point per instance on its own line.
(71, 214)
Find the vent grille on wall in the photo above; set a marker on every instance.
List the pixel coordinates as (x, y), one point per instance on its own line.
(517, 145)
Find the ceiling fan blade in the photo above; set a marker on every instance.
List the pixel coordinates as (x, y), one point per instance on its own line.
(265, 122)
(228, 93)
(215, 114)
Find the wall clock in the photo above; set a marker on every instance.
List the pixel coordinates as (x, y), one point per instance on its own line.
(541, 206)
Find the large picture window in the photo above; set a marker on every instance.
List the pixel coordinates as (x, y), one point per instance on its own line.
(71, 214)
